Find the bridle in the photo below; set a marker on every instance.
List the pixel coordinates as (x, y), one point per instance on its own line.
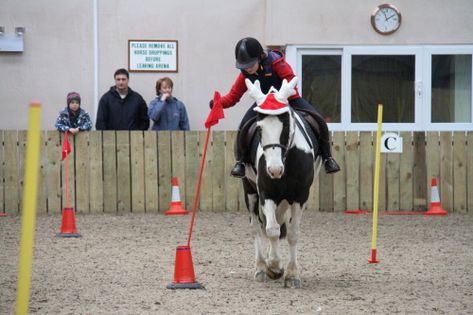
(284, 149)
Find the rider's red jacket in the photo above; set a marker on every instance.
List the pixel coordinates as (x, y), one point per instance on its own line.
(273, 69)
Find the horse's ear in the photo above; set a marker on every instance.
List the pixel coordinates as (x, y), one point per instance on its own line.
(255, 91)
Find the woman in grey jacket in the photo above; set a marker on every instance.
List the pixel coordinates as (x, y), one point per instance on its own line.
(167, 112)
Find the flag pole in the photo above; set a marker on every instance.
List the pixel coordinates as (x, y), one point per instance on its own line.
(28, 217)
(374, 235)
(67, 172)
(197, 190)
(66, 140)
(215, 114)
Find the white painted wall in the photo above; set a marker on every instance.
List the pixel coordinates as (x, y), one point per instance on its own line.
(347, 22)
(59, 44)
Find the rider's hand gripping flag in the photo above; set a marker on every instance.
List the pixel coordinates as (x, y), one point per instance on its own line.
(66, 148)
(216, 112)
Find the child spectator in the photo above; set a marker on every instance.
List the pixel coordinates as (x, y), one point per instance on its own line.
(73, 118)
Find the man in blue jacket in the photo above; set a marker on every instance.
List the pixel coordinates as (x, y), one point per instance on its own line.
(121, 108)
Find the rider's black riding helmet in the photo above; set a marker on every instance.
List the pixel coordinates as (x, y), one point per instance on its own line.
(247, 51)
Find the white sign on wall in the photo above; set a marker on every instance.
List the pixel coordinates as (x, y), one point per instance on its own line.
(391, 143)
(152, 55)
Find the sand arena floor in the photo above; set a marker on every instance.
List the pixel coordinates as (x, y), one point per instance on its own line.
(123, 263)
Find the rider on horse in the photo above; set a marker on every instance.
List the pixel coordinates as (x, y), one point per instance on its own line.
(269, 68)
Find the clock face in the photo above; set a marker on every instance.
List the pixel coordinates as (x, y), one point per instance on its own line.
(386, 19)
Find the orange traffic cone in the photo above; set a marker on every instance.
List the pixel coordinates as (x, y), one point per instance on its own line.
(184, 277)
(435, 205)
(175, 207)
(68, 226)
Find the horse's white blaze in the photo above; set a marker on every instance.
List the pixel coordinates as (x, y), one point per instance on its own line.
(271, 128)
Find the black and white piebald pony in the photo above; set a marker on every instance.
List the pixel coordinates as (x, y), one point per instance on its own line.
(284, 162)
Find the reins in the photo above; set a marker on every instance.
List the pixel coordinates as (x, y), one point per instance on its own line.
(303, 131)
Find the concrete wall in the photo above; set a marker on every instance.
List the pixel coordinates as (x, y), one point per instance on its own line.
(347, 22)
(59, 44)
(57, 58)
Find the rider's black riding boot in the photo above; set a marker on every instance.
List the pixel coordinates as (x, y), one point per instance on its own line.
(239, 168)
(330, 164)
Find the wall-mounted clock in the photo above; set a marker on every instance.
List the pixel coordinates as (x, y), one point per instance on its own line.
(386, 19)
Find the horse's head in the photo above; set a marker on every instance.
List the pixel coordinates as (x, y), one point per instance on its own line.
(276, 123)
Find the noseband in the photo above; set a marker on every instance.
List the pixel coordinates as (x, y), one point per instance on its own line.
(275, 145)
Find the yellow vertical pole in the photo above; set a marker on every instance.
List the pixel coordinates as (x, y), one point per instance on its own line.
(29, 208)
(376, 186)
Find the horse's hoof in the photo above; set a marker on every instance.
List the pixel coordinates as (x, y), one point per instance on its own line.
(260, 276)
(275, 274)
(292, 282)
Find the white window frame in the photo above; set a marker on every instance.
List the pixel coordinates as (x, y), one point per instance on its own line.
(423, 64)
(427, 66)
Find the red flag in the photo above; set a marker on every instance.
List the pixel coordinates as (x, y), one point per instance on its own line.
(66, 148)
(216, 112)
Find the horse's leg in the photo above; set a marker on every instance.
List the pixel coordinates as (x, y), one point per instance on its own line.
(251, 200)
(274, 268)
(292, 279)
(272, 226)
(260, 263)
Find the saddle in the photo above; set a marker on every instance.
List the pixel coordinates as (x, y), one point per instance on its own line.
(248, 132)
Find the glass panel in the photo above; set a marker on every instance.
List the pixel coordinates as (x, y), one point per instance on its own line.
(383, 79)
(321, 84)
(451, 88)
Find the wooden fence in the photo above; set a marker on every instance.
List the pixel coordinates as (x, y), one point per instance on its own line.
(121, 171)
